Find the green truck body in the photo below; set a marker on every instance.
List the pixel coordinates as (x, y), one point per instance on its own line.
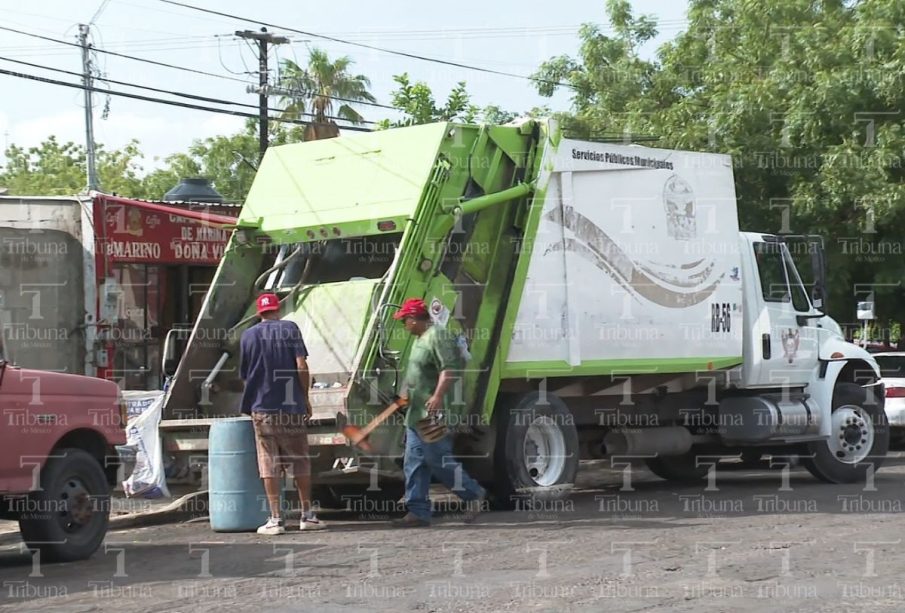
(595, 286)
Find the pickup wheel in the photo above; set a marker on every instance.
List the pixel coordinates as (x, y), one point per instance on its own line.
(67, 519)
(859, 438)
(537, 451)
(679, 468)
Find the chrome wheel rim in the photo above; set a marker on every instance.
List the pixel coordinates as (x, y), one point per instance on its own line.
(544, 451)
(852, 435)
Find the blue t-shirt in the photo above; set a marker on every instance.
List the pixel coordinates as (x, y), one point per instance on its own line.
(267, 365)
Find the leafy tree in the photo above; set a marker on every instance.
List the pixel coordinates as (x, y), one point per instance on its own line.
(54, 169)
(806, 96)
(216, 158)
(317, 87)
(417, 102)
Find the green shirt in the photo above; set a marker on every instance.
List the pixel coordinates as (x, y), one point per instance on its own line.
(433, 352)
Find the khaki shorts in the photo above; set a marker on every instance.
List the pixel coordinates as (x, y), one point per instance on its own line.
(282, 442)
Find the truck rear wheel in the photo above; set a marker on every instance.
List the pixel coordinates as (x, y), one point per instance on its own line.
(859, 438)
(67, 519)
(537, 450)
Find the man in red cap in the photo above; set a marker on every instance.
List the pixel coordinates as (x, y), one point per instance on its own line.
(273, 364)
(433, 367)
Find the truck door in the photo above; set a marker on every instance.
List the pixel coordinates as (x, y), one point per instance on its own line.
(784, 344)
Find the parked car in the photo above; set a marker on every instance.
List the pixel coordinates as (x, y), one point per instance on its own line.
(58, 434)
(892, 369)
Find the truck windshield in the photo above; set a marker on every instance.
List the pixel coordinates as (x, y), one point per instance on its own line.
(340, 259)
(778, 277)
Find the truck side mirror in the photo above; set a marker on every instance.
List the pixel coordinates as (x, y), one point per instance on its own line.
(173, 346)
(818, 266)
(390, 356)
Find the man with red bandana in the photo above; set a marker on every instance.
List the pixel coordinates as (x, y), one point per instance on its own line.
(434, 364)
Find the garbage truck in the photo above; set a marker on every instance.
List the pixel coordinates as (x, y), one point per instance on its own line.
(606, 300)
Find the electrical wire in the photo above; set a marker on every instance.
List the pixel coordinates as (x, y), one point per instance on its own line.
(98, 12)
(160, 91)
(186, 105)
(131, 57)
(183, 68)
(225, 67)
(371, 47)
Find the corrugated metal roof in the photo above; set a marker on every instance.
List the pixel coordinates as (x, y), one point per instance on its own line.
(84, 198)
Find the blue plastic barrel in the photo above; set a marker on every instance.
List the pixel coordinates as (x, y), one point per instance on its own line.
(236, 494)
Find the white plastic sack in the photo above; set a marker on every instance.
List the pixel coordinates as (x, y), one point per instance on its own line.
(439, 315)
(147, 479)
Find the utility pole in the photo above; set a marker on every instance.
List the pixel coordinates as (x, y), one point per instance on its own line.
(264, 39)
(87, 81)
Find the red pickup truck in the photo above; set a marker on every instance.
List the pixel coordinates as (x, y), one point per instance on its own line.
(58, 434)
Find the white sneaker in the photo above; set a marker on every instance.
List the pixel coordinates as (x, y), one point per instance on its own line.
(311, 522)
(273, 527)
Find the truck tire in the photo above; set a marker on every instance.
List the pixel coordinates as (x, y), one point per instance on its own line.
(859, 438)
(679, 468)
(537, 451)
(67, 519)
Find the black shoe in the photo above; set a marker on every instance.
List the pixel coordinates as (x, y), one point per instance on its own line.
(411, 521)
(473, 508)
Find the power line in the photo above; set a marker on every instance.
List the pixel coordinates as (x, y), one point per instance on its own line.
(129, 45)
(131, 57)
(41, 51)
(183, 68)
(366, 46)
(225, 67)
(100, 10)
(186, 105)
(159, 90)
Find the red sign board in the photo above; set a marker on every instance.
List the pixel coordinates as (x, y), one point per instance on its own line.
(134, 234)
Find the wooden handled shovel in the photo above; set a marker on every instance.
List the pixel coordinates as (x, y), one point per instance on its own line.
(358, 435)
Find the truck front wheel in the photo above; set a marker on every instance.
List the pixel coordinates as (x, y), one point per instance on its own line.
(537, 450)
(67, 518)
(859, 438)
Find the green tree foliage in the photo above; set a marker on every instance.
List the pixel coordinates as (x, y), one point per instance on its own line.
(417, 103)
(55, 169)
(807, 97)
(218, 158)
(320, 87)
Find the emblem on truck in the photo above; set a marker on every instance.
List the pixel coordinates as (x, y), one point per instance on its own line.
(790, 339)
(678, 198)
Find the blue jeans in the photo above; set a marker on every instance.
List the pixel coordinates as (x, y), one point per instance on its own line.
(425, 459)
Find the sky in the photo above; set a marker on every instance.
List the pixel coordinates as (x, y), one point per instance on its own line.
(510, 37)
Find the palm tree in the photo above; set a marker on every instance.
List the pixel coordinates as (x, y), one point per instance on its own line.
(315, 88)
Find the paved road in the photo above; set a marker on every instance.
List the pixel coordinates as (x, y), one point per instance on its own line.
(758, 541)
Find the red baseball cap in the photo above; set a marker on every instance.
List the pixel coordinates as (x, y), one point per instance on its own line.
(268, 302)
(413, 307)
